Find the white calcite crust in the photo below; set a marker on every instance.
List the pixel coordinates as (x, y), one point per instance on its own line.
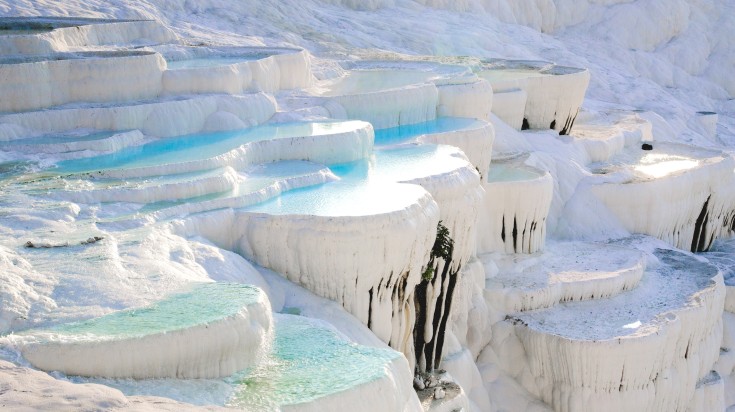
(513, 219)
(391, 93)
(682, 195)
(465, 97)
(26, 389)
(34, 83)
(510, 106)
(387, 108)
(564, 272)
(616, 365)
(475, 141)
(323, 254)
(277, 69)
(86, 32)
(162, 118)
(554, 94)
(112, 143)
(608, 134)
(217, 348)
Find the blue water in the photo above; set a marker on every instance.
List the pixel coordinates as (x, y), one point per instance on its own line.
(308, 362)
(197, 146)
(368, 186)
(258, 178)
(406, 133)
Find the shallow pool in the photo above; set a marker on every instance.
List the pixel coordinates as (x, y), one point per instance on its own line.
(199, 146)
(204, 303)
(309, 361)
(368, 187)
(511, 172)
(405, 133)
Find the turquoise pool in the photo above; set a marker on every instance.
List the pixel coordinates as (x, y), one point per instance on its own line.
(199, 146)
(368, 186)
(405, 133)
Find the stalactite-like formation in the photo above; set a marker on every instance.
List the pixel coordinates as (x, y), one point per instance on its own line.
(433, 301)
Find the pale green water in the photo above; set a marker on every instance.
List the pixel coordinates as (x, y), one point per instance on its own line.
(204, 303)
(308, 362)
(510, 172)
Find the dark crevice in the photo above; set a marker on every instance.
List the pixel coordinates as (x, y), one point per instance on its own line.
(525, 125)
(569, 124)
(515, 234)
(700, 229)
(445, 315)
(370, 310)
(502, 230)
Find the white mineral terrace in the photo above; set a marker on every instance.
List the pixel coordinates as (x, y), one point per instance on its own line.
(230, 324)
(474, 137)
(553, 94)
(40, 35)
(605, 135)
(364, 199)
(516, 205)
(234, 70)
(563, 272)
(677, 193)
(393, 93)
(159, 118)
(676, 317)
(263, 209)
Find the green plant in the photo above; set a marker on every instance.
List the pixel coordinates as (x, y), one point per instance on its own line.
(443, 245)
(443, 248)
(428, 273)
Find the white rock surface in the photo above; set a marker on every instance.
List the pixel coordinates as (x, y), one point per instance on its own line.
(35, 83)
(277, 69)
(88, 33)
(564, 272)
(676, 337)
(26, 389)
(517, 200)
(164, 118)
(219, 346)
(693, 214)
